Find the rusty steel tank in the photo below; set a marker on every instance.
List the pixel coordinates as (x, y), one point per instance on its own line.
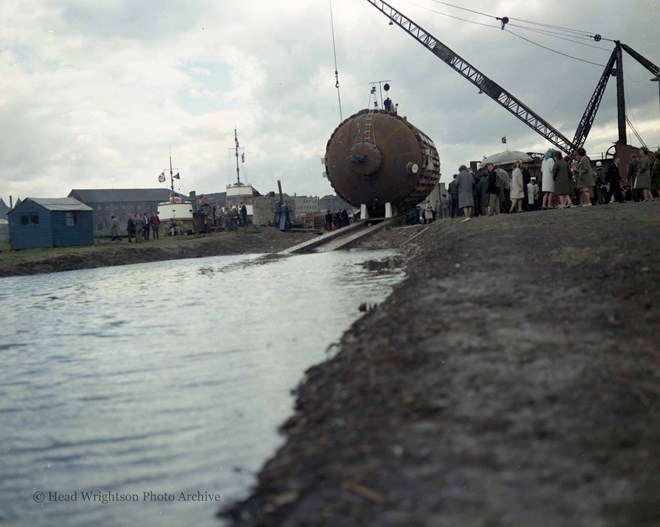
(375, 157)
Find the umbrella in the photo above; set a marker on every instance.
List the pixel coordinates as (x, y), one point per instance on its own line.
(507, 157)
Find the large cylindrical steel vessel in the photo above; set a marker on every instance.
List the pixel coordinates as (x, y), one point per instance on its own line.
(376, 157)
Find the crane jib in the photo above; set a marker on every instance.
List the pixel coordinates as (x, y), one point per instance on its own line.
(485, 85)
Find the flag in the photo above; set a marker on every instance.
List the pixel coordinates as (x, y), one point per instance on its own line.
(176, 176)
(243, 158)
(161, 178)
(504, 139)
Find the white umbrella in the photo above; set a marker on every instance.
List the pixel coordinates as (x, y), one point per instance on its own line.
(507, 157)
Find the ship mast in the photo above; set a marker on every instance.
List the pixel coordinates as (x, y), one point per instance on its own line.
(171, 179)
(173, 176)
(238, 171)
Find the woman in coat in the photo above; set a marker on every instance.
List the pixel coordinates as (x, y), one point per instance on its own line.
(547, 183)
(584, 179)
(517, 189)
(561, 174)
(655, 174)
(643, 180)
(465, 191)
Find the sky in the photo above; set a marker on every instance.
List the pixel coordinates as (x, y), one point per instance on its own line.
(99, 93)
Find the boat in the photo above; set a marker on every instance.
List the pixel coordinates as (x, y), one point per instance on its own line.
(240, 193)
(175, 215)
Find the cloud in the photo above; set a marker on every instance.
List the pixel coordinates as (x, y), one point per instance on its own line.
(98, 94)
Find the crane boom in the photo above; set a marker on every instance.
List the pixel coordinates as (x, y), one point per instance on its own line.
(590, 113)
(472, 74)
(642, 60)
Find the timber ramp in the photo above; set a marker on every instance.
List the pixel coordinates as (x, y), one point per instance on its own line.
(341, 238)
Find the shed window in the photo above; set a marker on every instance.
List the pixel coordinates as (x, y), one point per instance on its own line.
(71, 218)
(29, 219)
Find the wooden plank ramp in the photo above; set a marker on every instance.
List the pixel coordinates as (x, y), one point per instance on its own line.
(339, 239)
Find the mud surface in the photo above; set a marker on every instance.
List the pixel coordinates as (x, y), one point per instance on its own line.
(251, 240)
(513, 379)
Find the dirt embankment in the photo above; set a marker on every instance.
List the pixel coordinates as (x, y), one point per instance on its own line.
(105, 253)
(512, 379)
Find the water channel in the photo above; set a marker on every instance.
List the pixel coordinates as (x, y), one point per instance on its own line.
(151, 394)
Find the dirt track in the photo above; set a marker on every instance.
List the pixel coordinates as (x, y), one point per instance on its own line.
(512, 380)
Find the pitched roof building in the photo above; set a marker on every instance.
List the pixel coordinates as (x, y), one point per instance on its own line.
(50, 222)
(121, 203)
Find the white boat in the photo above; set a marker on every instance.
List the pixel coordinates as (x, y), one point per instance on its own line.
(175, 215)
(239, 193)
(176, 212)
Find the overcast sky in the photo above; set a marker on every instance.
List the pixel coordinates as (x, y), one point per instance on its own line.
(95, 93)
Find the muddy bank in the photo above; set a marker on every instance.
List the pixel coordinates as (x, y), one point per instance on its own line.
(512, 379)
(104, 253)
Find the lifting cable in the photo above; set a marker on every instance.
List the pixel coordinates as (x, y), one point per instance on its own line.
(334, 50)
(560, 36)
(639, 138)
(559, 32)
(554, 50)
(505, 20)
(628, 120)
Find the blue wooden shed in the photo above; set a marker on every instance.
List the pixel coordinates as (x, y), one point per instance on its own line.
(50, 222)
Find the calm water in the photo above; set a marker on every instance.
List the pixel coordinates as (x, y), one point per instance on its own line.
(143, 382)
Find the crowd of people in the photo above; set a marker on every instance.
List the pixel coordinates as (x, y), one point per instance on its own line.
(139, 227)
(564, 182)
(336, 220)
(228, 218)
(143, 226)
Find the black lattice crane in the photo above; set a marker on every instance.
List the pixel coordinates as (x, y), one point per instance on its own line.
(514, 105)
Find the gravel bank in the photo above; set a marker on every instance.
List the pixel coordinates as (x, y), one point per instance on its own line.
(513, 379)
